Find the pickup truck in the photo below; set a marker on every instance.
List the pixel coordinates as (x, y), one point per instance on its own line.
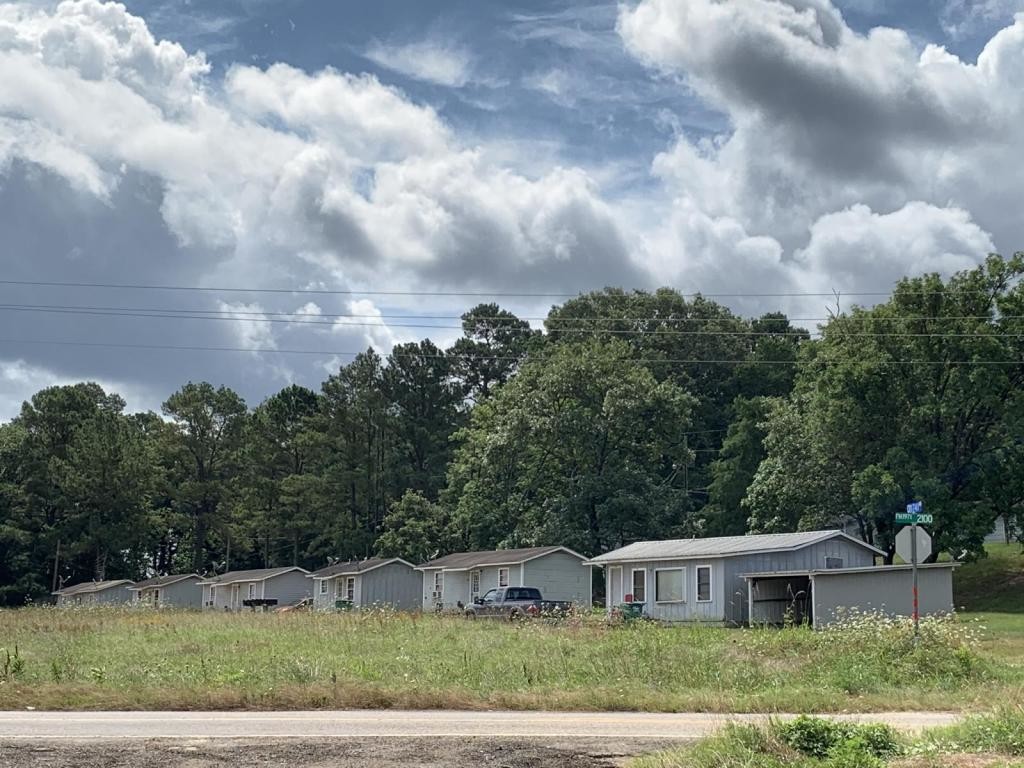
(514, 603)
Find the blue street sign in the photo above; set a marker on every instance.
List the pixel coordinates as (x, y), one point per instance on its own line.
(915, 507)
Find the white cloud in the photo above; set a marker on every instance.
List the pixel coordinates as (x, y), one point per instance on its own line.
(961, 18)
(427, 60)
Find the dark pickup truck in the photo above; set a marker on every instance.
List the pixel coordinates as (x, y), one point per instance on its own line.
(514, 603)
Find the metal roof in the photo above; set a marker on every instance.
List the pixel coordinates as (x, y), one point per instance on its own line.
(464, 561)
(163, 581)
(722, 546)
(840, 571)
(88, 587)
(356, 566)
(260, 574)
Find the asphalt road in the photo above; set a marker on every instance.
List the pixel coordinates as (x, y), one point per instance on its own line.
(49, 726)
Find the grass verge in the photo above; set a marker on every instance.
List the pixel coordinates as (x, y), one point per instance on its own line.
(984, 741)
(143, 659)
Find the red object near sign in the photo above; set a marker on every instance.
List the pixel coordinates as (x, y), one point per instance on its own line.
(627, 599)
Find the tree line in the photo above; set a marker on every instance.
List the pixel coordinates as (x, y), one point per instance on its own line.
(632, 415)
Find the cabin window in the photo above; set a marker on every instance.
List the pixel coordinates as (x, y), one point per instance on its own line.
(833, 562)
(503, 577)
(670, 586)
(438, 582)
(639, 585)
(323, 586)
(350, 589)
(703, 583)
(252, 591)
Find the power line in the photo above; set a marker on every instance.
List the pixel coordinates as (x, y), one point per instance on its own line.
(331, 353)
(355, 292)
(256, 317)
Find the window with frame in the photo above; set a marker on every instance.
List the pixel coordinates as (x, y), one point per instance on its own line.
(833, 562)
(703, 583)
(252, 591)
(323, 586)
(639, 585)
(474, 582)
(350, 588)
(439, 581)
(503, 577)
(670, 586)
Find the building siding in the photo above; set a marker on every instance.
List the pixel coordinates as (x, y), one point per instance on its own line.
(686, 610)
(805, 559)
(181, 594)
(559, 576)
(395, 585)
(888, 592)
(287, 588)
(113, 596)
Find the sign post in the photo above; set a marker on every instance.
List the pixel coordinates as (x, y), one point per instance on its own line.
(913, 516)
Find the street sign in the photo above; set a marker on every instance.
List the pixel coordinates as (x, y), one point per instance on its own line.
(905, 518)
(915, 507)
(905, 544)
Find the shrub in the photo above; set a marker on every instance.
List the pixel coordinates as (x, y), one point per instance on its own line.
(821, 738)
(854, 752)
(813, 736)
(1002, 732)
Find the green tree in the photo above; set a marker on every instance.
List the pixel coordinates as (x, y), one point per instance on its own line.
(209, 425)
(582, 447)
(414, 529)
(493, 345)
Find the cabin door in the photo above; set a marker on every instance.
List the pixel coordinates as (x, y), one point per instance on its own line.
(474, 586)
(234, 597)
(615, 594)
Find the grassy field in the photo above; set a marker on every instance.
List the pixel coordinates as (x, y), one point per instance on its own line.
(143, 659)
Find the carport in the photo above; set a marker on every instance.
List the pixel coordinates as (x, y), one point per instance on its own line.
(820, 597)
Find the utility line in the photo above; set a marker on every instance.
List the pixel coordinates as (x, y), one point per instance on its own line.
(355, 292)
(330, 353)
(256, 318)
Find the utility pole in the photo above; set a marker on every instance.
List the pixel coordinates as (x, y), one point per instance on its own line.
(56, 568)
(913, 568)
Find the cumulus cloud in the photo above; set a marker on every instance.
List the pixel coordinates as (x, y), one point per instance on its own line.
(860, 155)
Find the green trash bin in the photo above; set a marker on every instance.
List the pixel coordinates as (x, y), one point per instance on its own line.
(632, 611)
(343, 605)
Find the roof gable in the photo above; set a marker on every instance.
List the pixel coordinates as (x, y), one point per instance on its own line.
(724, 546)
(91, 587)
(464, 561)
(354, 567)
(164, 581)
(259, 574)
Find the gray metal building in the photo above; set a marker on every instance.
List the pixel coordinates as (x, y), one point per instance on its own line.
(113, 592)
(707, 580)
(230, 590)
(385, 582)
(823, 596)
(460, 578)
(181, 590)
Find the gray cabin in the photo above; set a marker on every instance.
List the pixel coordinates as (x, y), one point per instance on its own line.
(384, 582)
(181, 590)
(708, 580)
(269, 586)
(457, 580)
(95, 593)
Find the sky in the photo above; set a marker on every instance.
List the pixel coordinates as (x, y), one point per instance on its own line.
(266, 187)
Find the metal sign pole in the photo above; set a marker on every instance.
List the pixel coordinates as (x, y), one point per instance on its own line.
(913, 567)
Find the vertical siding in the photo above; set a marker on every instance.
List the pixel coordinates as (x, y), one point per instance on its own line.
(113, 596)
(183, 594)
(889, 592)
(455, 589)
(804, 559)
(288, 588)
(395, 585)
(322, 602)
(559, 576)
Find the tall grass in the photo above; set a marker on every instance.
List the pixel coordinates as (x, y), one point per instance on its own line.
(94, 658)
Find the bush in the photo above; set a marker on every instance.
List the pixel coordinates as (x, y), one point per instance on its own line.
(821, 738)
(854, 752)
(1002, 732)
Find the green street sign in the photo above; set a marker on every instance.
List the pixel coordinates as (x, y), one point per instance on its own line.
(909, 518)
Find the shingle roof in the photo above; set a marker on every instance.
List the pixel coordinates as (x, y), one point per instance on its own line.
(355, 566)
(722, 546)
(260, 574)
(163, 581)
(88, 587)
(461, 561)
